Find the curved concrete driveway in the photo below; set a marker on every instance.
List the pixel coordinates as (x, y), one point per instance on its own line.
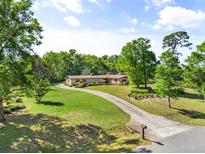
(158, 126)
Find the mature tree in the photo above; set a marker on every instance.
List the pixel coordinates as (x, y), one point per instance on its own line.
(39, 79)
(95, 64)
(58, 64)
(111, 62)
(64, 63)
(19, 31)
(138, 61)
(177, 39)
(5, 85)
(195, 69)
(167, 73)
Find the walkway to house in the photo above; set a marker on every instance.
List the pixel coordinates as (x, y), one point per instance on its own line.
(158, 126)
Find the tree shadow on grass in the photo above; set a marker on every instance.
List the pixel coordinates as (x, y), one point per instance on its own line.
(41, 133)
(191, 95)
(51, 103)
(131, 141)
(191, 113)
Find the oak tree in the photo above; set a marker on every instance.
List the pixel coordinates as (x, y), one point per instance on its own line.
(138, 61)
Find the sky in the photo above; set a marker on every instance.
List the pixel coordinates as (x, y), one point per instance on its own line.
(102, 27)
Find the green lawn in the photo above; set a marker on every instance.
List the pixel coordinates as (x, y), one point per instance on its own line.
(68, 121)
(188, 108)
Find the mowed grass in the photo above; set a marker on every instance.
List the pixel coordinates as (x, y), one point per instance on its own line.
(78, 108)
(68, 121)
(188, 108)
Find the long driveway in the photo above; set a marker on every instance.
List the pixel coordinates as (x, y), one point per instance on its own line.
(158, 126)
(166, 135)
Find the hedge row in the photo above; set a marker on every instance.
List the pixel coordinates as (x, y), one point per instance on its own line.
(138, 93)
(138, 96)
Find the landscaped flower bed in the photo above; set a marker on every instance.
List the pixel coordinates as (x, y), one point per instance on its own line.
(137, 93)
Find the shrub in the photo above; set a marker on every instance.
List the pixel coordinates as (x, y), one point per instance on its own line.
(19, 100)
(13, 107)
(80, 84)
(179, 91)
(137, 90)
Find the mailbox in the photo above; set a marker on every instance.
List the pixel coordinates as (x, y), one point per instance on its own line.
(143, 130)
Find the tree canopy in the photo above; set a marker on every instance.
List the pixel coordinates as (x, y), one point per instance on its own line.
(138, 61)
(195, 69)
(61, 64)
(19, 32)
(177, 39)
(167, 75)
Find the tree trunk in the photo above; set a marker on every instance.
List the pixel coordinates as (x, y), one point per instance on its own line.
(145, 77)
(169, 101)
(145, 83)
(2, 110)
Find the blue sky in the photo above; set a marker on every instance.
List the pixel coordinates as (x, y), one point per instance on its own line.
(103, 26)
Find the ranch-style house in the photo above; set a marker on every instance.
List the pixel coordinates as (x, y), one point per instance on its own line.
(97, 79)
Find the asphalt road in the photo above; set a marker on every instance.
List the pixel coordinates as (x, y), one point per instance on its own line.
(191, 141)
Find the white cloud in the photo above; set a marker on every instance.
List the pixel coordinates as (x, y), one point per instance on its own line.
(62, 5)
(86, 41)
(161, 3)
(146, 8)
(133, 21)
(97, 42)
(156, 26)
(98, 1)
(157, 4)
(36, 5)
(94, 1)
(71, 5)
(128, 30)
(126, 16)
(173, 17)
(71, 20)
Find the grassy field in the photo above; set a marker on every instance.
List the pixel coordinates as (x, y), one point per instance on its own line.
(188, 108)
(68, 121)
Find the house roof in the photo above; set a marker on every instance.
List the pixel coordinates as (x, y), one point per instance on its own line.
(96, 76)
